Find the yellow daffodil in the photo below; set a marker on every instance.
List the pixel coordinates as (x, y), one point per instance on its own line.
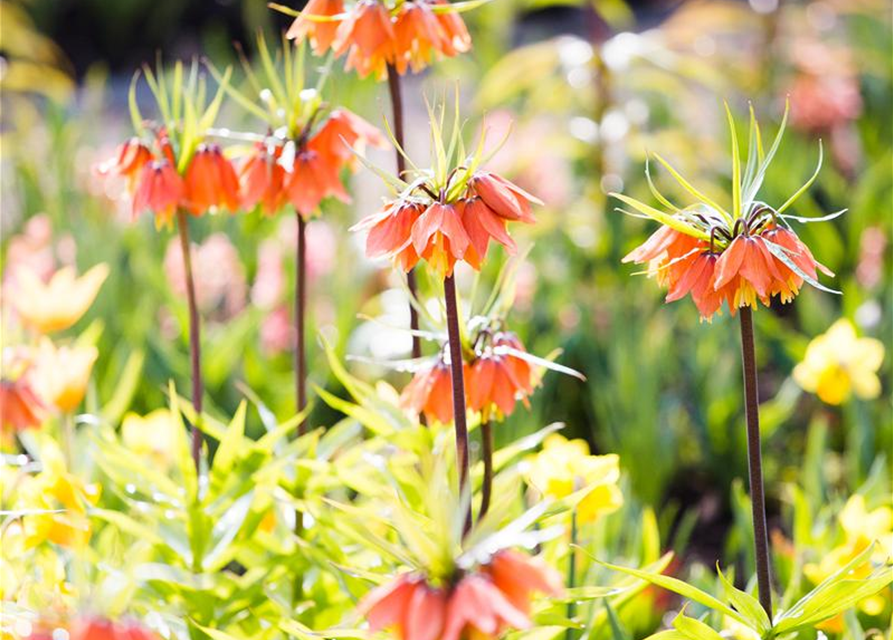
(60, 375)
(59, 303)
(861, 528)
(839, 364)
(152, 435)
(65, 498)
(565, 466)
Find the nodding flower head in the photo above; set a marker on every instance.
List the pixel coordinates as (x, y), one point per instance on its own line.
(485, 602)
(444, 229)
(499, 376)
(738, 257)
(374, 36)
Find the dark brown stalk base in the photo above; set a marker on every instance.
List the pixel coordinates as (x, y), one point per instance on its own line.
(458, 379)
(397, 108)
(487, 455)
(755, 462)
(195, 350)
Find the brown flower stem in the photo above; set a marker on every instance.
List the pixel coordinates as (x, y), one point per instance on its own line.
(458, 379)
(755, 463)
(195, 349)
(572, 571)
(300, 315)
(397, 107)
(300, 365)
(487, 454)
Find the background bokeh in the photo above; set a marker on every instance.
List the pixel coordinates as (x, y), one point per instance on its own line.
(588, 90)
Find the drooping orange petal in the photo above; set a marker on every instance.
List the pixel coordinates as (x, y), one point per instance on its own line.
(729, 263)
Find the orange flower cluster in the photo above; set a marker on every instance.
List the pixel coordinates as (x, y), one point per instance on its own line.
(94, 628)
(746, 270)
(481, 604)
(430, 393)
(315, 172)
(372, 36)
(211, 181)
(441, 232)
(496, 378)
(20, 407)
(208, 182)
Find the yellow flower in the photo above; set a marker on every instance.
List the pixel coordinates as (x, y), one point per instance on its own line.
(565, 466)
(838, 364)
(56, 490)
(861, 528)
(152, 435)
(60, 375)
(61, 302)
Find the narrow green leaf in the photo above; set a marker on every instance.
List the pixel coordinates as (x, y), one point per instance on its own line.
(782, 254)
(806, 186)
(685, 184)
(678, 586)
(736, 165)
(694, 629)
(746, 604)
(663, 218)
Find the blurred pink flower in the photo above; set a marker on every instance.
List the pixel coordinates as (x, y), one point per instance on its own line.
(32, 249)
(269, 283)
(321, 245)
(220, 284)
(542, 170)
(276, 331)
(870, 268)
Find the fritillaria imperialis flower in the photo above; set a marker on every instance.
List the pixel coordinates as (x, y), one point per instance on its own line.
(736, 257)
(482, 604)
(444, 229)
(271, 178)
(96, 628)
(61, 374)
(59, 303)
(372, 35)
(20, 406)
(498, 377)
(838, 364)
(565, 466)
(430, 393)
(171, 166)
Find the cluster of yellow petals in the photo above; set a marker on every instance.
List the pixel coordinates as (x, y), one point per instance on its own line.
(63, 496)
(838, 364)
(565, 466)
(152, 436)
(861, 528)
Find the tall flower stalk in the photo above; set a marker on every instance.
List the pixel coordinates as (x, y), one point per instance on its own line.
(385, 41)
(195, 349)
(737, 257)
(755, 460)
(297, 162)
(443, 215)
(172, 169)
(397, 114)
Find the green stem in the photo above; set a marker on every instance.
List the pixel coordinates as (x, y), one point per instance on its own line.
(487, 454)
(572, 571)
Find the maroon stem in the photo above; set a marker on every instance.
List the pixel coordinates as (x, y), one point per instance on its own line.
(487, 455)
(194, 338)
(755, 462)
(458, 379)
(300, 315)
(397, 107)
